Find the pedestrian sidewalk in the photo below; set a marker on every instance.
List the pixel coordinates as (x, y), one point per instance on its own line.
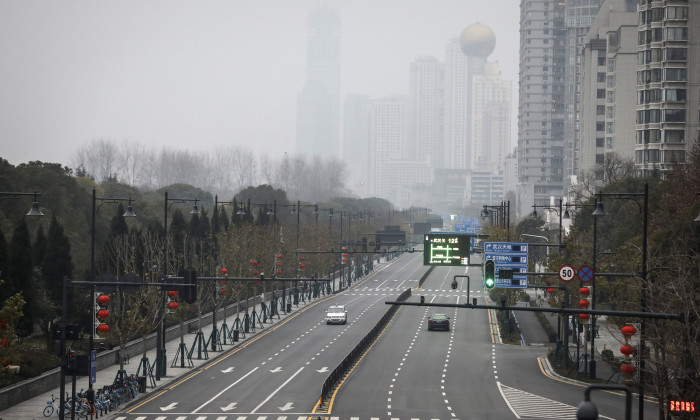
(608, 337)
(33, 408)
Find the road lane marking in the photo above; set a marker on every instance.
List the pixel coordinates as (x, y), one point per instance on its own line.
(277, 390)
(224, 390)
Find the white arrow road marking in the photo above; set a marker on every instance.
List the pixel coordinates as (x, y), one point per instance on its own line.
(323, 369)
(277, 390)
(168, 407)
(224, 390)
(227, 370)
(276, 370)
(229, 407)
(286, 407)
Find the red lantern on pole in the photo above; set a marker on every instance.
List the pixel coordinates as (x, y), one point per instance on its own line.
(551, 290)
(279, 272)
(103, 300)
(254, 262)
(224, 271)
(584, 291)
(172, 294)
(583, 303)
(629, 330)
(302, 266)
(279, 256)
(222, 292)
(172, 305)
(583, 317)
(627, 349)
(279, 264)
(103, 328)
(102, 314)
(627, 368)
(255, 272)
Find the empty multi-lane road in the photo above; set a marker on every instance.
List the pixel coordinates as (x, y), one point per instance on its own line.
(409, 372)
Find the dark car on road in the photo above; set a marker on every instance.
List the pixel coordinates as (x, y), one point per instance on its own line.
(438, 322)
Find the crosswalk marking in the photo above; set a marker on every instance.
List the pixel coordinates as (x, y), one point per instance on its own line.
(526, 405)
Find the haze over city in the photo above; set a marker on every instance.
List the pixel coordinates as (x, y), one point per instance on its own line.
(198, 75)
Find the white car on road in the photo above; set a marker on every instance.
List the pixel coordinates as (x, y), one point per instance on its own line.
(337, 314)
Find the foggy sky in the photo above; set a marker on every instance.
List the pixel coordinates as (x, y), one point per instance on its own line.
(196, 74)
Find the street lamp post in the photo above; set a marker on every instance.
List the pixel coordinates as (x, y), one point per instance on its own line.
(160, 336)
(644, 208)
(501, 214)
(129, 213)
(297, 210)
(558, 211)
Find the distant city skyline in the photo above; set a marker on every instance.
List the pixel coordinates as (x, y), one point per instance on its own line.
(195, 76)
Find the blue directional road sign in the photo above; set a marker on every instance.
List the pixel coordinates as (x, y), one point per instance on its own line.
(508, 255)
(93, 366)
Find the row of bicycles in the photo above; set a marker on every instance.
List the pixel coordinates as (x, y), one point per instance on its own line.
(105, 400)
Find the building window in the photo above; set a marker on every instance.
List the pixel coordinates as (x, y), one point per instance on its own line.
(674, 156)
(676, 54)
(676, 34)
(600, 93)
(599, 158)
(599, 142)
(674, 115)
(674, 136)
(600, 126)
(611, 82)
(601, 77)
(675, 95)
(677, 12)
(600, 110)
(652, 156)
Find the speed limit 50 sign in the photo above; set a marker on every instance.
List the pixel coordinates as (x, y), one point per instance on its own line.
(567, 273)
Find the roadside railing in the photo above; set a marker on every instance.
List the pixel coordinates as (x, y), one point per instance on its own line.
(356, 353)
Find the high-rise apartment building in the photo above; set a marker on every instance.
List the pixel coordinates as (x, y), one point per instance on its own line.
(541, 103)
(318, 105)
(607, 99)
(425, 115)
(578, 17)
(668, 83)
(457, 151)
(355, 151)
(490, 119)
(387, 140)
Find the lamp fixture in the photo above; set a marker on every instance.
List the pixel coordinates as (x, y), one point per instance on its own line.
(129, 210)
(599, 210)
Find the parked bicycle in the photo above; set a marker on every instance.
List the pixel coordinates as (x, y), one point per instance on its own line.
(52, 407)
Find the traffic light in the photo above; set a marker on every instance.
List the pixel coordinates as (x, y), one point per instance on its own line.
(489, 274)
(70, 362)
(189, 294)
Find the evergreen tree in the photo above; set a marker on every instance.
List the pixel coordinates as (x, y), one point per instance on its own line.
(19, 273)
(4, 258)
(57, 261)
(118, 225)
(39, 246)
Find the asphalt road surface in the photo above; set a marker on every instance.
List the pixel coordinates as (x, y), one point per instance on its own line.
(409, 372)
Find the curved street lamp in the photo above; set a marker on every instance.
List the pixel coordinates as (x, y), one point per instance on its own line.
(34, 210)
